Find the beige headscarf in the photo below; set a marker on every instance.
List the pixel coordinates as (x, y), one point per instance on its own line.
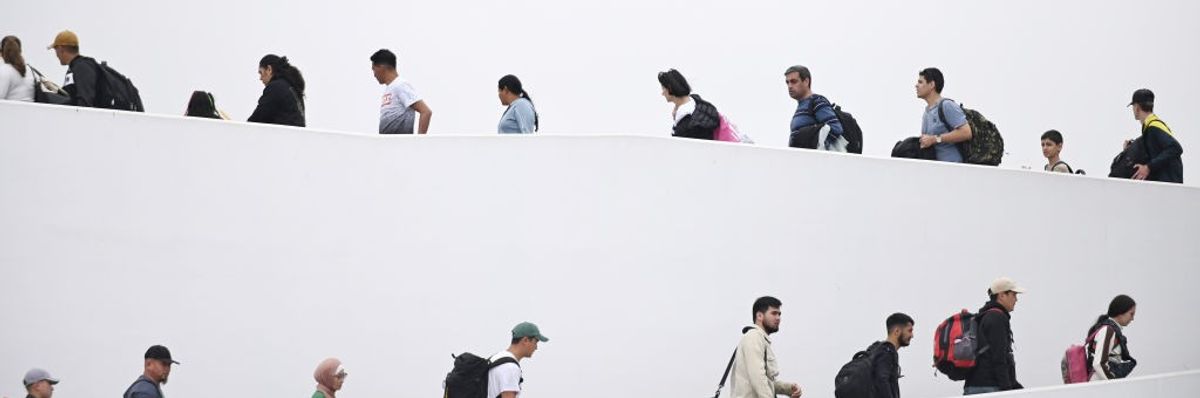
(326, 374)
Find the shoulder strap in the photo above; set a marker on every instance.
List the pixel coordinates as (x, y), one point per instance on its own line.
(501, 361)
(1069, 169)
(942, 113)
(725, 376)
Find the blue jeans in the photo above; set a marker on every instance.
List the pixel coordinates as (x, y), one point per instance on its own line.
(979, 390)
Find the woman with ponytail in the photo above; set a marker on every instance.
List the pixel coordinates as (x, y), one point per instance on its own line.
(16, 78)
(520, 117)
(1107, 349)
(282, 100)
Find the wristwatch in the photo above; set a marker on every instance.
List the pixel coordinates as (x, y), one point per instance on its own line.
(938, 138)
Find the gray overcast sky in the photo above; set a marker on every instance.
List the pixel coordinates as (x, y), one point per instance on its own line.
(590, 66)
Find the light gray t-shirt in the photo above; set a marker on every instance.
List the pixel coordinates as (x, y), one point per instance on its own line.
(932, 124)
(396, 115)
(518, 118)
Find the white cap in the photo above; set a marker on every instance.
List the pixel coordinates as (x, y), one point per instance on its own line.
(1005, 284)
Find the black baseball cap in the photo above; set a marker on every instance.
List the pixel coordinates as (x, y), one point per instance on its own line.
(160, 353)
(1142, 96)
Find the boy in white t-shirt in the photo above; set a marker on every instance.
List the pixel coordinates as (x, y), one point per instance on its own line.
(504, 380)
(397, 112)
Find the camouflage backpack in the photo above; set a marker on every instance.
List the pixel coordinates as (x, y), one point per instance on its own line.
(986, 146)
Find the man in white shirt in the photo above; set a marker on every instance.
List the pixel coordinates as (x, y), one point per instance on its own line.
(504, 379)
(401, 103)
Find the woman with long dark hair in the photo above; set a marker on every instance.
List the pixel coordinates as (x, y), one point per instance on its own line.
(520, 117)
(282, 100)
(1107, 348)
(16, 78)
(202, 104)
(693, 117)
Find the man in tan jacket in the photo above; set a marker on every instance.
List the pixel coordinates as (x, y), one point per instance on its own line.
(755, 372)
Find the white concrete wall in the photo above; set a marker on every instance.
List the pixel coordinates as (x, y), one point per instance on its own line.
(255, 251)
(1169, 385)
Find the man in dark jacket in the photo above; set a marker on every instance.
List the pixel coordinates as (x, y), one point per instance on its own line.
(886, 364)
(83, 81)
(995, 369)
(1162, 149)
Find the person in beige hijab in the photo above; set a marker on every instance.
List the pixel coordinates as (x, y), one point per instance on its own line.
(329, 375)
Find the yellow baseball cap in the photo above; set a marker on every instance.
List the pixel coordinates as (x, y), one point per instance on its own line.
(64, 38)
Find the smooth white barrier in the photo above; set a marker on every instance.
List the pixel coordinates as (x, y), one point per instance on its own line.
(1169, 385)
(255, 251)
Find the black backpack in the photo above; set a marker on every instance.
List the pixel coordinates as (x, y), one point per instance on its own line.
(856, 378)
(911, 148)
(850, 129)
(469, 378)
(986, 146)
(117, 91)
(1122, 165)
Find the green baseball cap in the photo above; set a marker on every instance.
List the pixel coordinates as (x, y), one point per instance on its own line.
(527, 329)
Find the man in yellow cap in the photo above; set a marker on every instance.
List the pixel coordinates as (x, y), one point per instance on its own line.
(83, 74)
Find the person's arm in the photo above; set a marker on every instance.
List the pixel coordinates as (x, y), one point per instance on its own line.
(268, 105)
(1170, 148)
(86, 78)
(525, 117)
(881, 373)
(955, 117)
(426, 115)
(753, 361)
(6, 77)
(825, 114)
(995, 328)
(1102, 343)
(508, 394)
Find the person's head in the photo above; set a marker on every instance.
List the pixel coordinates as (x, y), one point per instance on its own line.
(330, 374)
(1122, 309)
(39, 383)
(674, 86)
(65, 46)
(10, 51)
(1004, 292)
(272, 67)
(799, 81)
(767, 313)
(525, 339)
(1142, 103)
(202, 104)
(1051, 144)
(930, 82)
(383, 64)
(158, 364)
(900, 329)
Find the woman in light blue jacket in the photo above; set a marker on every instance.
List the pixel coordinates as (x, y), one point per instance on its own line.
(520, 117)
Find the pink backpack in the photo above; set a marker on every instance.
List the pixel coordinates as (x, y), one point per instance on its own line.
(1075, 367)
(726, 131)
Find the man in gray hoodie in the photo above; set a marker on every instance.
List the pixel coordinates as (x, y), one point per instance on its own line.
(755, 373)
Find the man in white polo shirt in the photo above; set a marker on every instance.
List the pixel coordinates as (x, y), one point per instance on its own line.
(504, 380)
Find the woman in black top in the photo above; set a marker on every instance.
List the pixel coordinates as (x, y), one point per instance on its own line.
(282, 100)
(693, 117)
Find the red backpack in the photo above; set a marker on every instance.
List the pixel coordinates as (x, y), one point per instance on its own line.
(956, 344)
